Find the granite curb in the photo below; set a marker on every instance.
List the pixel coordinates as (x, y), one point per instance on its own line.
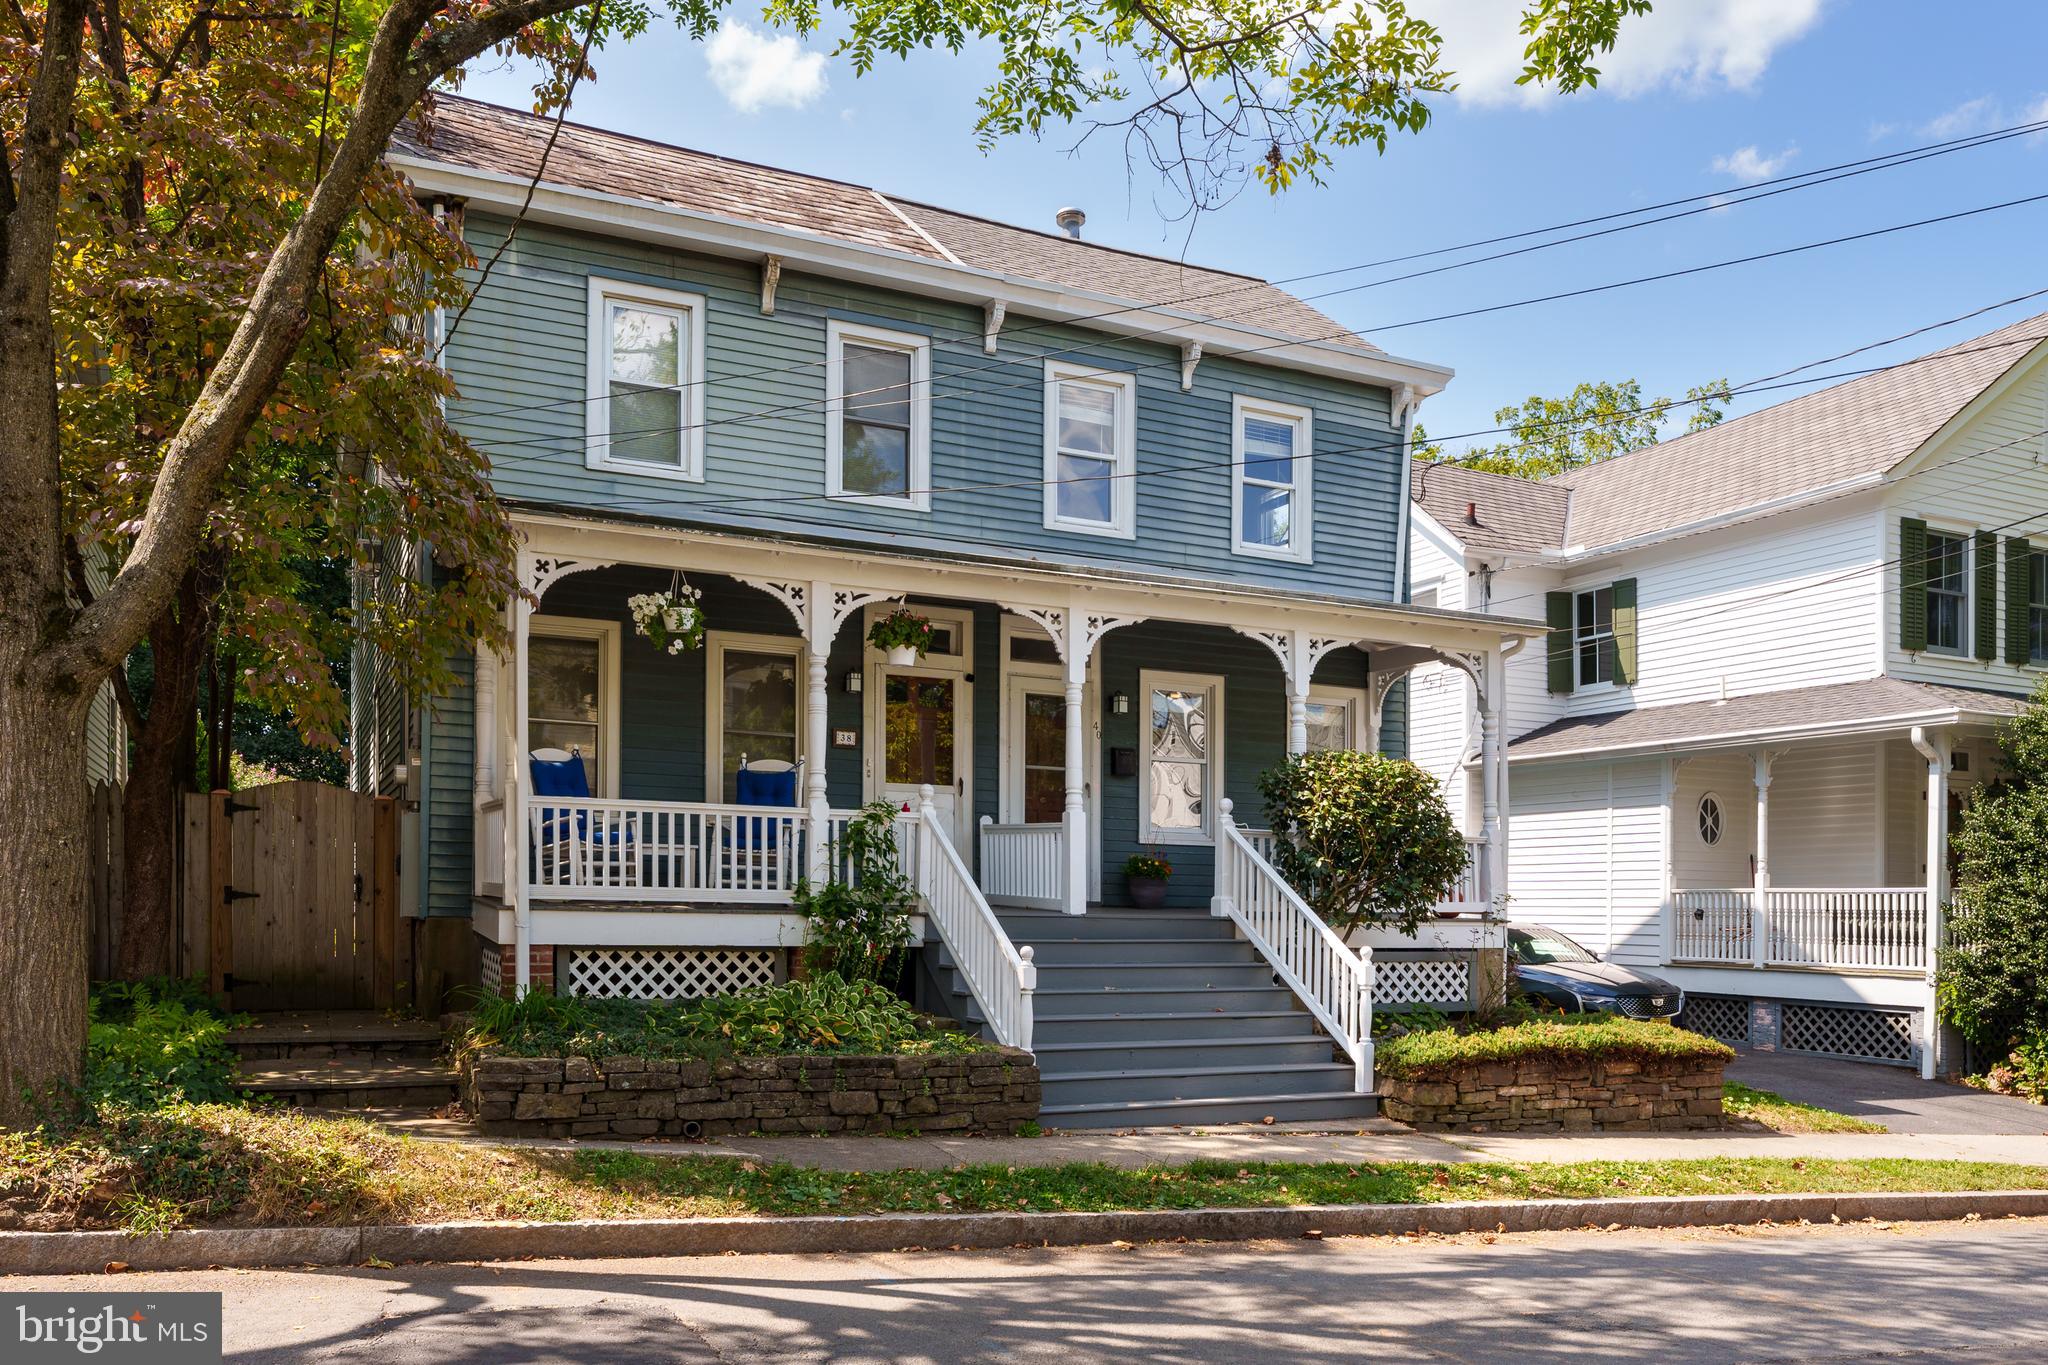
(67, 1253)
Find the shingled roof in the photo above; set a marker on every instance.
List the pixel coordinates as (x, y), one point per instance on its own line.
(474, 135)
(1491, 511)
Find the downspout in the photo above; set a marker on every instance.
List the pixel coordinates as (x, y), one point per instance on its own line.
(1932, 748)
(1500, 856)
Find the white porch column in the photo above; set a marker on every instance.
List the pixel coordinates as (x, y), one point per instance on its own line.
(819, 632)
(1490, 689)
(1077, 646)
(484, 694)
(1760, 909)
(1934, 747)
(515, 806)
(1298, 670)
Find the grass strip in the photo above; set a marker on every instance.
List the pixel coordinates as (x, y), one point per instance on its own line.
(221, 1165)
(1781, 1115)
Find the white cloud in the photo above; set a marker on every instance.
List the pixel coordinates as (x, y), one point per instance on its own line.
(755, 71)
(1749, 165)
(1971, 116)
(1697, 45)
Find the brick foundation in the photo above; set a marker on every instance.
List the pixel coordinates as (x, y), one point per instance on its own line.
(632, 1097)
(1551, 1094)
(500, 967)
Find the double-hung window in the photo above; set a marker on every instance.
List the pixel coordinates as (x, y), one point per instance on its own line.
(1593, 636)
(645, 413)
(572, 669)
(1948, 592)
(2037, 607)
(1090, 450)
(878, 415)
(1183, 767)
(1269, 456)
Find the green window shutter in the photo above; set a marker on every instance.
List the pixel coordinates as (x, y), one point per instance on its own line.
(1986, 588)
(1557, 609)
(1912, 584)
(1624, 632)
(2018, 588)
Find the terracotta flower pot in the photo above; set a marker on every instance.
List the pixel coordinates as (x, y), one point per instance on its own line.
(1148, 893)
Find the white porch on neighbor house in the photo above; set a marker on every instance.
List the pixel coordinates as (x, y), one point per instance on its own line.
(577, 869)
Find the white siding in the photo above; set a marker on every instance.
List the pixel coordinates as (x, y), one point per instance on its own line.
(1440, 698)
(1905, 796)
(1589, 854)
(1531, 704)
(1824, 816)
(1731, 778)
(1983, 492)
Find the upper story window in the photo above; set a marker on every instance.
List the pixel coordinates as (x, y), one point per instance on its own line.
(1593, 637)
(1948, 592)
(645, 413)
(878, 415)
(2037, 607)
(1269, 454)
(1090, 450)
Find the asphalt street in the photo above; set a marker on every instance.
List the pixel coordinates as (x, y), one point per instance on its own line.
(1900, 1292)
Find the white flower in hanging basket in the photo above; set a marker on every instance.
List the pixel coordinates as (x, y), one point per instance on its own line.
(672, 619)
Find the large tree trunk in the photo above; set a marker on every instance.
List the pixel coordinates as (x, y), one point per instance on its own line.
(43, 953)
(162, 767)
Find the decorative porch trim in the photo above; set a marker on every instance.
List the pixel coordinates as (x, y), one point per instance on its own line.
(548, 570)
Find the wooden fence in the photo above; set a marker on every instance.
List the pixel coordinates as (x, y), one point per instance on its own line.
(106, 860)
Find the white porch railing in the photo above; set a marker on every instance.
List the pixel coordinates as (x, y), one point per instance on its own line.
(1333, 981)
(1000, 974)
(1873, 929)
(581, 848)
(1465, 894)
(1023, 865)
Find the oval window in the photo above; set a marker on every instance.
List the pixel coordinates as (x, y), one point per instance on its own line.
(1710, 819)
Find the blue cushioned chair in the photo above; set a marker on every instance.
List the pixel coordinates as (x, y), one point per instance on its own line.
(560, 773)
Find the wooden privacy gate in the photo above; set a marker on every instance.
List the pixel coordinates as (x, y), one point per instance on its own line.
(294, 888)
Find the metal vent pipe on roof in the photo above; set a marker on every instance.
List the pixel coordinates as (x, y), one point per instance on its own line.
(1070, 220)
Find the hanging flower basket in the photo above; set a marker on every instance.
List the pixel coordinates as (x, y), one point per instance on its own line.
(904, 635)
(672, 619)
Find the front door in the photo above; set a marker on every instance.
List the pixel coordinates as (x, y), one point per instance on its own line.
(921, 720)
(1034, 760)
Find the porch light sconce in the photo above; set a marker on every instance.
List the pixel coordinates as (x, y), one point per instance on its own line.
(1119, 704)
(853, 681)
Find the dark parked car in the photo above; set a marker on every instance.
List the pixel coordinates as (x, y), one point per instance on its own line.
(1551, 968)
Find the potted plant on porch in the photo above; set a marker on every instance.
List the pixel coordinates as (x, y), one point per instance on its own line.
(904, 635)
(1147, 875)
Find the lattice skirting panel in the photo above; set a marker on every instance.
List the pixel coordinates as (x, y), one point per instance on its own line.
(490, 974)
(1401, 981)
(1725, 1017)
(667, 973)
(1846, 1031)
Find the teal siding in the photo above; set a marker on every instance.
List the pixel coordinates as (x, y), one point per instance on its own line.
(523, 344)
(447, 823)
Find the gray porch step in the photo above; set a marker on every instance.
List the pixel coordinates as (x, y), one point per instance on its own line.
(1154, 999)
(1057, 952)
(1339, 1105)
(1140, 975)
(1036, 926)
(1158, 1054)
(1174, 1084)
(1284, 1021)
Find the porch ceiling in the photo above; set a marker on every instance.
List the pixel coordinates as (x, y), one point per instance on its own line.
(1110, 592)
(1872, 706)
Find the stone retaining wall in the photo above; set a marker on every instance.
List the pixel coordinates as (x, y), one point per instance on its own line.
(632, 1097)
(1551, 1094)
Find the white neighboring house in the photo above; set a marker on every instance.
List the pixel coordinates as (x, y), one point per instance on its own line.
(1771, 642)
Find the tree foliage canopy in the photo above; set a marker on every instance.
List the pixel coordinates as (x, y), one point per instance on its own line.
(1993, 976)
(1595, 421)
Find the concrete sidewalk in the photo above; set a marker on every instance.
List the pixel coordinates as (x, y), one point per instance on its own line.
(1374, 1140)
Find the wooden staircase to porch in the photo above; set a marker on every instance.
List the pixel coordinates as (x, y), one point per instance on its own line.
(1155, 1017)
(343, 1059)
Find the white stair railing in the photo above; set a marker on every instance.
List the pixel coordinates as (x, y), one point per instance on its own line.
(999, 973)
(1331, 979)
(1023, 865)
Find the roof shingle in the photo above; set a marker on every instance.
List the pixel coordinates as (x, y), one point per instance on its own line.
(1506, 513)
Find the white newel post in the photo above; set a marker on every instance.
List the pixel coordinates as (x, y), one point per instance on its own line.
(1760, 909)
(1074, 814)
(1934, 747)
(515, 805)
(1219, 899)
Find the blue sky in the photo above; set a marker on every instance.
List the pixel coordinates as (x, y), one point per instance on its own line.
(1701, 96)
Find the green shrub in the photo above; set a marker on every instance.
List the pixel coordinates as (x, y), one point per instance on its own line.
(1993, 976)
(1364, 838)
(825, 1014)
(860, 929)
(153, 1043)
(1442, 1052)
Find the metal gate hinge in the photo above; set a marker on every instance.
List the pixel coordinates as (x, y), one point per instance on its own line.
(234, 807)
(228, 895)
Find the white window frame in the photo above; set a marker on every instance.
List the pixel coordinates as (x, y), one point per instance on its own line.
(691, 309)
(606, 633)
(1300, 548)
(1964, 624)
(1123, 487)
(919, 458)
(1355, 704)
(1579, 642)
(2036, 606)
(716, 643)
(1150, 681)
